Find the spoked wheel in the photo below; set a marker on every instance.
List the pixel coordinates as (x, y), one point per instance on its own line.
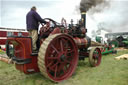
(58, 57)
(95, 57)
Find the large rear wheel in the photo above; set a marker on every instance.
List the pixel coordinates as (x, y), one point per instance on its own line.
(58, 57)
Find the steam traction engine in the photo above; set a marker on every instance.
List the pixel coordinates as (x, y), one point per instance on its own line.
(60, 48)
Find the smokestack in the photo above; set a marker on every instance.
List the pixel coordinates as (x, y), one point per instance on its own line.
(86, 5)
(83, 19)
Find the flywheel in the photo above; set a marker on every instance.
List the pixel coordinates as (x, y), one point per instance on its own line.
(95, 56)
(58, 57)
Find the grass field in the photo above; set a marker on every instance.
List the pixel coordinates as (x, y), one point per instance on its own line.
(110, 72)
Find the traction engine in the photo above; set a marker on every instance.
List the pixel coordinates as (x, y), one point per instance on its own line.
(60, 47)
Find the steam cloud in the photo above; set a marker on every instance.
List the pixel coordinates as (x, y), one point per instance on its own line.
(112, 14)
(115, 18)
(85, 5)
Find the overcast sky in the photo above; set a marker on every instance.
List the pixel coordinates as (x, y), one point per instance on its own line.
(114, 17)
(13, 13)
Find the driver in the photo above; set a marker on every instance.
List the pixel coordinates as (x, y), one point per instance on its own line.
(32, 22)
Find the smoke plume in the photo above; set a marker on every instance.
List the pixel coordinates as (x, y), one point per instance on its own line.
(112, 14)
(85, 5)
(115, 18)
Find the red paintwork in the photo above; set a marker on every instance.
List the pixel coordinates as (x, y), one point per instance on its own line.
(15, 33)
(62, 45)
(97, 57)
(3, 34)
(25, 33)
(81, 42)
(22, 49)
(2, 41)
(104, 48)
(55, 31)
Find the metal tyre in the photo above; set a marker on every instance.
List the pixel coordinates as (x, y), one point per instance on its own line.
(58, 57)
(95, 57)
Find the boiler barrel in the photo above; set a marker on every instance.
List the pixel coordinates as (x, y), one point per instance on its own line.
(82, 42)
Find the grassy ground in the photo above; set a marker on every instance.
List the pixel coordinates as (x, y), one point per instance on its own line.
(110, 72)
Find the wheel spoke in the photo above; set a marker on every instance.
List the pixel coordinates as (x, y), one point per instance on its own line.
(55, 49)
(64, 41)
(54, 65)
(50, 58)
(64, 70)
(66, 67)
(61, 66)
(55, 74)
(68, 55)
(67, 61)
(64, 44)
(96, 57)
(50, 64)
(70, 51)
(61, 46)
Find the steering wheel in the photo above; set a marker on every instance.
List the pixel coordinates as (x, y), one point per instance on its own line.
(49, 23)
(45, 26)
(63, 22)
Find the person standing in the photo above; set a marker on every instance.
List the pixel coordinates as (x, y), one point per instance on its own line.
(32, 21)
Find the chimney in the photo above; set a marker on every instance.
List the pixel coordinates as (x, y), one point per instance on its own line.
(83, 19)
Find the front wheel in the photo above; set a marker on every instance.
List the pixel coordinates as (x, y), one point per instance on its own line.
(95, 56)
